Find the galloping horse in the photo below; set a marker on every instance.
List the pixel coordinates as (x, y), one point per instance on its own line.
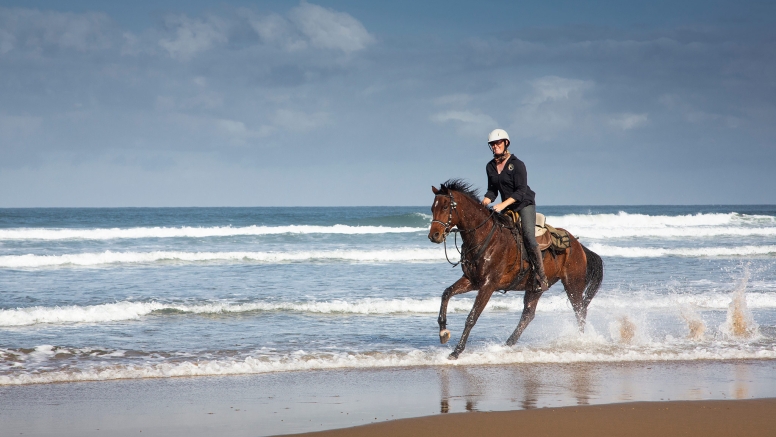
(491, 260)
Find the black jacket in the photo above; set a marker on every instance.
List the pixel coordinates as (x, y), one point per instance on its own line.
(512, 182)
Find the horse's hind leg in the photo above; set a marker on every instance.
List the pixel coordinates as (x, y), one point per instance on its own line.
(530, 300)
(575, 290)
(462, 285)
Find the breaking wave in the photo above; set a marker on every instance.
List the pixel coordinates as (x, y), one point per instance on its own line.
(656, 252)
(598, 226)
(411, 255)
(191, 232)
(596, 349)
(127, 310)
(625, 225)
(109, 257)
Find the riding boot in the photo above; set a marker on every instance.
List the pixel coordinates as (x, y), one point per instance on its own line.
(538, 266)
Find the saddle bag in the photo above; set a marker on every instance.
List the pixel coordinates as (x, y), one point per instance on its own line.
(546, 235)
(560, 238)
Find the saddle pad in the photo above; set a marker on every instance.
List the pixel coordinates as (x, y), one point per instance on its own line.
(545, 240)
(540, 229)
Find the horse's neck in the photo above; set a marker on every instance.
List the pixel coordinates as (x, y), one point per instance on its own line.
(473, 217)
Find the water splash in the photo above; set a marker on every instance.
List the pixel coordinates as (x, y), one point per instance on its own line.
(695, 323)
(623, 329)
(739, 322)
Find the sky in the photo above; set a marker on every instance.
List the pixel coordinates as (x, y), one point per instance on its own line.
(353, 103)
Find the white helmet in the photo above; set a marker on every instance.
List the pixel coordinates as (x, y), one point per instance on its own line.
(498, 134)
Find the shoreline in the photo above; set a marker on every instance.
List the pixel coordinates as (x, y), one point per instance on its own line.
(711, 418)
(303, 402)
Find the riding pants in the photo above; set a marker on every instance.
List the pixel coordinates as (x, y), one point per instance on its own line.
(528, 220)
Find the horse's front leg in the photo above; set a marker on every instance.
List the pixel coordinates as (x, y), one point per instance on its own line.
(462, 285)
(483, 296)
(530, 300)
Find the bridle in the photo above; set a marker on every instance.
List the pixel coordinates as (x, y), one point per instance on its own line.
(452, 208)
(448, 230)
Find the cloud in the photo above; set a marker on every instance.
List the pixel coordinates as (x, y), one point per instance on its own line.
(329, 29)
(239, 134)
(34, 30)
(467, 122)
(298, 121)
(691, 114)
(458, 99)
(276, 30)
(191, 35)
(628, 121)
(555, 105)
(309, 25)
(249, 81)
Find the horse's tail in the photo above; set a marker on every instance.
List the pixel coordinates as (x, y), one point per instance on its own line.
(594, 274)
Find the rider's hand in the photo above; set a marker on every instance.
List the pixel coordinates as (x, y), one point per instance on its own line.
(500, 207)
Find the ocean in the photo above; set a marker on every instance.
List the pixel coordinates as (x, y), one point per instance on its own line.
(104, 294)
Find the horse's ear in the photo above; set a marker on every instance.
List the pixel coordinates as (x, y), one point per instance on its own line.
(434, 189)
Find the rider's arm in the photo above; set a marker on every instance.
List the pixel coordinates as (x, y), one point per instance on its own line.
(490, 195)
(500, 207)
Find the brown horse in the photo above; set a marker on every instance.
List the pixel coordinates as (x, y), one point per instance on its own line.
(492, 259)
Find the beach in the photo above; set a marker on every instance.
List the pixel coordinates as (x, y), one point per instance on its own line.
(299, 402)
(670, 419)
(272, 321)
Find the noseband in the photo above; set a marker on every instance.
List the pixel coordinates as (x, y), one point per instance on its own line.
(447, 226)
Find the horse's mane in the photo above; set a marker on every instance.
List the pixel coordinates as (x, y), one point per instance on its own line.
(461, 186)
(466, 189)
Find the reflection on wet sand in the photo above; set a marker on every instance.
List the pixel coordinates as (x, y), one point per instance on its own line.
(471, 387)
(581, 385)
(741, 381)
(530, 386)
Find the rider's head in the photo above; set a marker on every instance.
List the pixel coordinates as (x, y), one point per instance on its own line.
(498, 141)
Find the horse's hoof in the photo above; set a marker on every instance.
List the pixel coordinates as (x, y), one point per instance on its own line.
(444, 336)
(453, 356)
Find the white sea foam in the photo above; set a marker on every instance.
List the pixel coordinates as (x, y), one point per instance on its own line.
(656, 252)
(624, 220)
(190, 232)
(595, 350)
(411, 255)
(127, 310)
(619, 225)
(109, 257)
(624, 225)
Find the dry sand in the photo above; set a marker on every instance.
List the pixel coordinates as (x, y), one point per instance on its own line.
(750, 418)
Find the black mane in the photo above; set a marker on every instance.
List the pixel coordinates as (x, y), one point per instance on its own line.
(466, 189)
(462, 187)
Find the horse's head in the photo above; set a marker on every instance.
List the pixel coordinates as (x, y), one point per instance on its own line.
(443, 220)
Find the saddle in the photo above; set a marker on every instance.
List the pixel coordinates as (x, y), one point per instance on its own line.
(546, 236)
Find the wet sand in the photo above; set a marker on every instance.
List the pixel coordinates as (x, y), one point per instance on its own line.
(298, 402)
(751, 418)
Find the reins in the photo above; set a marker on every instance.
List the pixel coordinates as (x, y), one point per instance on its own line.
(448, 230)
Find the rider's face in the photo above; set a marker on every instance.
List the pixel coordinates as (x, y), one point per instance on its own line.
(498, 146)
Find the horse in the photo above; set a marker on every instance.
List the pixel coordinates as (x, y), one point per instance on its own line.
(492, 259)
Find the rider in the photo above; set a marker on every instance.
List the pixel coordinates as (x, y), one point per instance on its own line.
(507, 176)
